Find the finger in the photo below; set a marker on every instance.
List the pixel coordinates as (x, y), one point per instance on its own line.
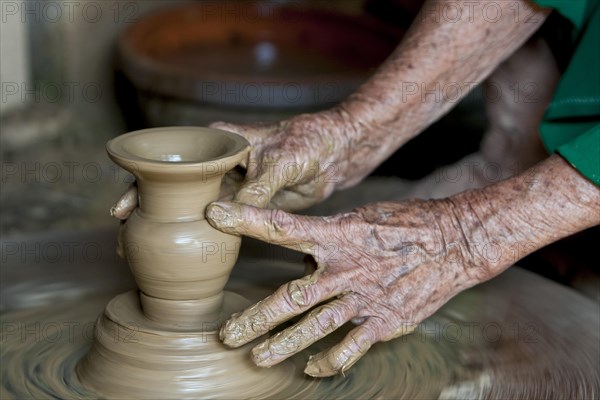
(344, 355)
(319, 323)
(291, 200)
(296, 232)
(288, 301)
(258, 192)
(126, 204)
(403, 329)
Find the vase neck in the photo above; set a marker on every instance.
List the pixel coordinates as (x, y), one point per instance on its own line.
(176, 201)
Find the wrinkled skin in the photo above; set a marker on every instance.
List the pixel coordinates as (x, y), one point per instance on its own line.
(387, 266)
(295, 163)
(390, 265)
(511, 142)
(301, 161)
(382, 263)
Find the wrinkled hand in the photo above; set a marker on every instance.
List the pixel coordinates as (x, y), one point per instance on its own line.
(387, 266)
(293, 164)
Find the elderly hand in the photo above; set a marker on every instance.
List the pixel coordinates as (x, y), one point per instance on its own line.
(388, 265)
(293, 164)
(298, 162)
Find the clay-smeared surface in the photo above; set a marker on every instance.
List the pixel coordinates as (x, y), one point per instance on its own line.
(517, 336)
(133, 356)
(161, 341)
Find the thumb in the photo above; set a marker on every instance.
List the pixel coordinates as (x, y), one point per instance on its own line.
(259, 192)
(126, 204)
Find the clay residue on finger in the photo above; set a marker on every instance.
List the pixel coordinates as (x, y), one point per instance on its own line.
(244, 327)
(317, 324)
(256, 194)
(266, 314)
(402, 330)
(337, 359)
(274, 350)
(297, 289)
(126, 204)
(225, 216)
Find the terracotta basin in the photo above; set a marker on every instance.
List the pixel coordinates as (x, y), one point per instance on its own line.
(255, 57)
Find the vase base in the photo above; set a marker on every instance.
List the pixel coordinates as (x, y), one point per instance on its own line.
(194, 315)
(133, 356)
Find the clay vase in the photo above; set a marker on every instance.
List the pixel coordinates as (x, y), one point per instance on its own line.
(163, 342)
(180, 263)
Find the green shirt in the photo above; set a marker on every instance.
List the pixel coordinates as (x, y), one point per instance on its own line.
(571, 124)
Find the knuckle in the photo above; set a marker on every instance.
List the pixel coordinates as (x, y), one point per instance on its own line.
(374, 329)
(301, 293)
(327, 318)
(281, 222)
(255, 194)
(258, 188)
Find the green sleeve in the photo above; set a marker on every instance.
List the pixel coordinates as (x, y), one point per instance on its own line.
(583, 153)
(576, 11)
(571, 124)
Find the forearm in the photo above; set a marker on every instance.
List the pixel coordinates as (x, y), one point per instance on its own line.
(509, 220)
(439, 60)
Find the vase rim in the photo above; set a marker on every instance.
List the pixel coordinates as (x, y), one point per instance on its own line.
(232, 148)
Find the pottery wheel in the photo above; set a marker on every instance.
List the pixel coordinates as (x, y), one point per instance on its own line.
(517, 336)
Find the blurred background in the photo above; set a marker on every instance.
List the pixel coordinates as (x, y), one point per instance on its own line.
(76, 73)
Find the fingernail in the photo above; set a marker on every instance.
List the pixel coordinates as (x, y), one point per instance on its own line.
(253, 196)
(224, 215)
(261, 354)
(312, 368)
(230, 332)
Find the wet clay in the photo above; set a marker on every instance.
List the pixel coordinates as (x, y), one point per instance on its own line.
(137, 357)
(160, 342)
(181, 265)
(538, 340)
(411, 368)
